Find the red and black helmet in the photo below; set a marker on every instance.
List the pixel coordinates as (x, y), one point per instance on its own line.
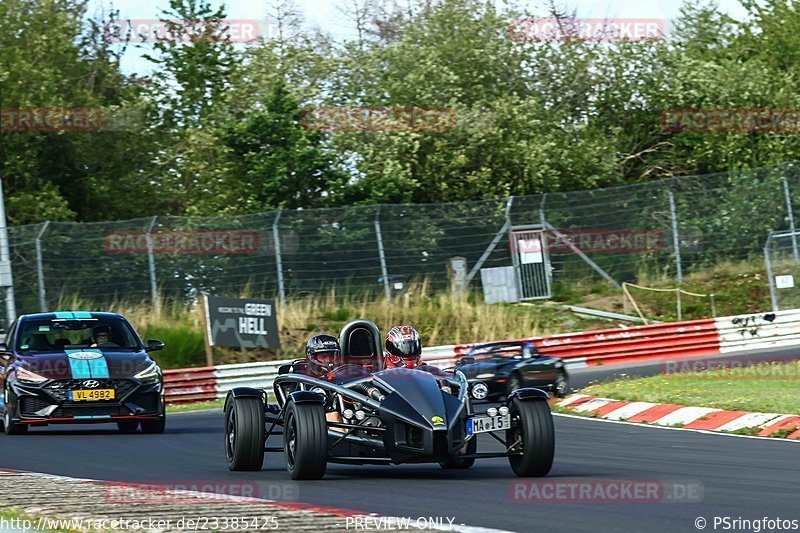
(404, 346)
(322, 354)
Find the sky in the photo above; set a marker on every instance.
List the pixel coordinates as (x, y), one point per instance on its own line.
(325, 15)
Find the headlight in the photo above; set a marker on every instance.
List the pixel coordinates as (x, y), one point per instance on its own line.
(485, 376)
(150, 372)
(480, 391)
(26, 376)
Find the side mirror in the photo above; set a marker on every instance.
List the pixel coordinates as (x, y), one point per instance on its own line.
(154, 345)
(466, 360)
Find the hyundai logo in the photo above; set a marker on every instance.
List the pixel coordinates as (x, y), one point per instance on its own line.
(91, 383)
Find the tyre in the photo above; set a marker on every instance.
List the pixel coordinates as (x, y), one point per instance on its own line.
(154, 426)
(9, 426)
(462, 464)
(127, 426)
(533, 434)
(305, 440)
(561, 385)
(514, 383)
(244, 433)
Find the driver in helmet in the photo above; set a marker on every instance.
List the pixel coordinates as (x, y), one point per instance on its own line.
(403, 348)
(322, 353)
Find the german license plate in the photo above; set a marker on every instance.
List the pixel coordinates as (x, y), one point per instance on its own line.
(485, 424)
(91, 395)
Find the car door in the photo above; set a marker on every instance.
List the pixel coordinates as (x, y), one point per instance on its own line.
(538, 370)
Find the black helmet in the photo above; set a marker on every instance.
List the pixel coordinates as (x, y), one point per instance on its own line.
(101, 329)
(322, 353)
(403, 342)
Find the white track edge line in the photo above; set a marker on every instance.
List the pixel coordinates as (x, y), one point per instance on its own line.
(690, 430)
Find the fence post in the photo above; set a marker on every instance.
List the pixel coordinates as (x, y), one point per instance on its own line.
(676, 240)
(791, 216)
(151, 263)
(384, 271)
(6, 277)
(276, 236)
(549, 270)
(768, 261)
(40, 268)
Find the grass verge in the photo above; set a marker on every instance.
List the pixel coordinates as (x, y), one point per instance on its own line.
(766, 387)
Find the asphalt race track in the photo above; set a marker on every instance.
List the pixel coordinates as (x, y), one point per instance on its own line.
(740, 477)
(727, 476)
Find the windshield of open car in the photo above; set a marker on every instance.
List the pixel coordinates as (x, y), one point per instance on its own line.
(53, 335)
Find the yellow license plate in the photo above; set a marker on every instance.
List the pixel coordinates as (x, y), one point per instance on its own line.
(87, 395)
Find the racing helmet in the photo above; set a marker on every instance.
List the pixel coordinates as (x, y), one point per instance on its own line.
(322, 353)
(403, 346)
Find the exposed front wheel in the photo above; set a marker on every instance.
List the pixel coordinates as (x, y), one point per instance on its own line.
(561, 386)
(244, 433)
(154, 426)
(463, 464)
(9, 426)
(533, 435)
(305, 440)
(127, 426)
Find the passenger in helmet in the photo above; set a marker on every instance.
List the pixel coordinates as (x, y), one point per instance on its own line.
(403, 348)
(322, 354)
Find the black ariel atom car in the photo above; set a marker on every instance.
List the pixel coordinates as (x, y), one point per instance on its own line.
(360, 416)
(497, 369)
(79, 367)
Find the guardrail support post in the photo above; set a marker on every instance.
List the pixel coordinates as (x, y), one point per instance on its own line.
(384, 271)
(676, 240)
(40, 268)
(276, 237)
(790, 215)
(151, 263)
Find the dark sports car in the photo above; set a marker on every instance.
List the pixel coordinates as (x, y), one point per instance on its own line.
(362, 415)
(79, 367)
(503, 367)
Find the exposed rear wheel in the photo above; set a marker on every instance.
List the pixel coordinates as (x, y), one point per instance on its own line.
(244, 433)
(305, 440)
(127, 426)
(531, 433)
(463, 464)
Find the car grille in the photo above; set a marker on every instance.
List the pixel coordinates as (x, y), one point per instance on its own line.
(59, 389)
(29, 405)
(94, 410)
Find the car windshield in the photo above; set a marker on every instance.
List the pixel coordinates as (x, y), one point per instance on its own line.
(495, 352)
(49, 335)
